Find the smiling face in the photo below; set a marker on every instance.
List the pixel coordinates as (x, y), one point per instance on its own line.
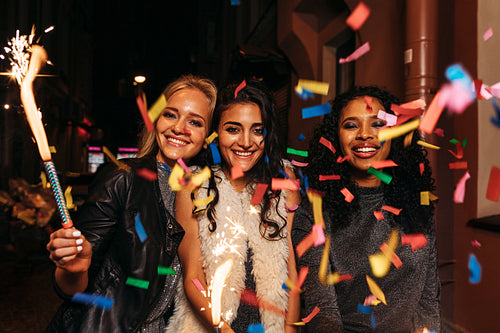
(241, 136)
(182, 127)
(358, 136)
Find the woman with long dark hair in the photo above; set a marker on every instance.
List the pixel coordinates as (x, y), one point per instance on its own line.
(254, 235)
(358, 228)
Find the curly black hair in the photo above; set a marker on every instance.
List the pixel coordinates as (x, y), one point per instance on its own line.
(270, 163)
(407, 181)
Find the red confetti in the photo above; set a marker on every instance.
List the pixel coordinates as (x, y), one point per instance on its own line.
(328, 177)
(144, 114)
(378, 214)
(249, 297)
(421, 165)
(368, 101)
(493, 191)
(417, 241)
(476, 244)
(285, 184)
(343, 159)
(358, 16)
(439, 131)
(460, 151)
(393, 210)
(345, 277)
(258, 194)
(242, 85)
(458, 165)
(306, 243)
(383, 164)
(396, 261)
(327, 144)
(348, 195)
(313, 313)
(147, 174)
(236, 172)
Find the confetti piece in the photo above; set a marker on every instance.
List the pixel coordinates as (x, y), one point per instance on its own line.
(162, 270)
(157, 108)
(198, 179)
(341, 159)
(176, 175)
(306, 243)
(460, 151)
(327, 144)
(147, 174)
(198, 284)
(427, 145)
(476, 244)
(378, 215)
(364, 309)
(69, 198)
(380, 264)
(380, 175)
(399, 110)
(215, 153)
(249, 297)
(431, 116)
(390, 119)
(383, 164)
(300, 280)
(358, 16)
(408, 138)
(458, 165)
(299, 164)
(456, 97)
(301, 137)
(100, 301)
(258, 194)
(183, 165)
(143, 284)
(303, 93)
(475, 269)
(237, 172)
(368, 101)
(198, 203)
(424, 198)
(293, 208)
(421, 165)
(120, 165)
(393, 210)
(375, 289)
(316, 87)
(211, 138)
(495, 120)
(439, 131)
(365, 48)
(415, 104)
(394, 132)
(372, 319)
(292, 151)
(371, 301)
(417, 241)
(328, 177)
(347, 194)
(396, 261)
(493, 191)
(255, 328)
(321, 234)
(52, 149)
(317, 202)
(284, 184)
(459, 193)
(45, 183)
(144, 113)
(487, 34)
(242, 85)
(315, 111)
(139, 229)
(310, 316)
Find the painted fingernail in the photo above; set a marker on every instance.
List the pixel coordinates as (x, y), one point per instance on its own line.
(79, 248)
(79, 241)
(77, 233)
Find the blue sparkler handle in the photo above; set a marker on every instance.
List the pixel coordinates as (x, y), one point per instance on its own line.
(50, 169)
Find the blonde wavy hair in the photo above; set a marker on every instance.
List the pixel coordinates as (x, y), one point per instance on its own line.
(148, 144)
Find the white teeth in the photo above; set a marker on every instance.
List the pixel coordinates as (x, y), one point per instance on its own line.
(176, 141)
(243, 153)
(365, 150)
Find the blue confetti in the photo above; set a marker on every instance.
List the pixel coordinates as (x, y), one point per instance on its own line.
(475, 269)
(373, 320)
(100, 301)
(496, 118)
(285, 287)
(264, 134)
(284, 174)
(140, 229)
(306, 94)
(301, 137)
(267, 159)
(215, 153)
(235, 2)
(456, 73)
(364, 309)
(166, 168)
(315, 111)
(306, 183)
(255, 328)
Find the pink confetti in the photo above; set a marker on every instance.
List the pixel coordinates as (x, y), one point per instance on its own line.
(390, 119)
(299, 164)
(293, 208)
(476, 244)
(347, 194)
(321, 234)
(183, 165)
(459, 194)
(439, 131)
(456, 97)
(356, 54)
(487, 34)
(198, 285)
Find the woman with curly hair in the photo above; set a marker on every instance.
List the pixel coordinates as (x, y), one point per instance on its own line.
(254, 235)
(358, 228)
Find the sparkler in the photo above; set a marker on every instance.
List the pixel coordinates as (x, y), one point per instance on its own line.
(221, 273)
(25, 69)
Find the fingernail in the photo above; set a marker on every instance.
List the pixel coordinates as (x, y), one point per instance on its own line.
(79, 248)
(77, 233)
(79, 241)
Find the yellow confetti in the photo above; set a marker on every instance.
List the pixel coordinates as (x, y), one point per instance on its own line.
(428, 145)
(211, 138)
(198, 203)
(316, 87)
(394, 132)
(112, 157)
(424, 198)
(316, 202)
(380, 262)
(375, 289)
(157, 108)
(45, 183)
(52, 149)
(69, 198)
(176, 174)
(199, 178)
(26, 217)
(331, 278)
(432, 196)
(408, 138)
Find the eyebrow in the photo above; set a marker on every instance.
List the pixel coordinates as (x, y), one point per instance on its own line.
(356, 118)
(239, 124)
(192, 114)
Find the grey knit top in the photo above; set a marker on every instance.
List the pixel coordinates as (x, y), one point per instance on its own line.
(412, 291)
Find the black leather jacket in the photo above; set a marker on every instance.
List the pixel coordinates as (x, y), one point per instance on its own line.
(108, 223)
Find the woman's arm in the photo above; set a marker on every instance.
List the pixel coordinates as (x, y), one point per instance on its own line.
(293, 314)
(190, 256)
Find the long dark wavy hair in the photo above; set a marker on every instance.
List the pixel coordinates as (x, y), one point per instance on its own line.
(270, 163)
(407, 182)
